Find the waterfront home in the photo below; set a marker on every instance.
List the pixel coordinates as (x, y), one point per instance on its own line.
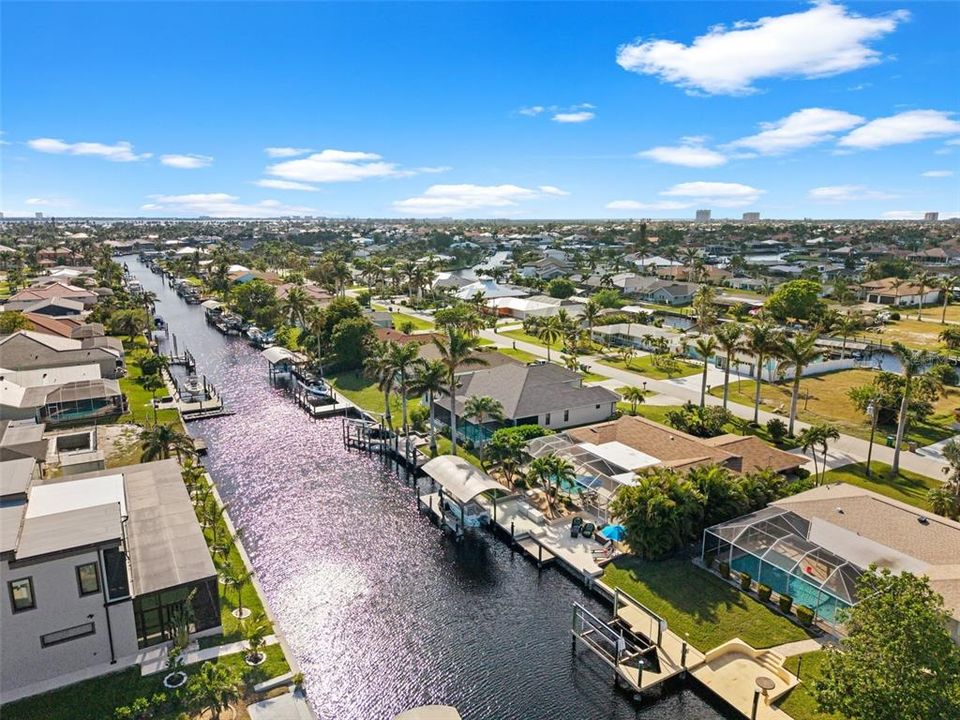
(94, 567)
(316, 295)
(543, 394)
(666, 292)
(59, 395)
(489, 288)
(814, 545)
(29, 350)
(31, 295)
(897, 292)
(536, 306)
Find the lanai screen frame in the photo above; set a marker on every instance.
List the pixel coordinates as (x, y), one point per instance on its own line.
(777, 538)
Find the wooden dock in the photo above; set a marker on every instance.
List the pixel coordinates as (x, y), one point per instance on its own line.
(535, 550)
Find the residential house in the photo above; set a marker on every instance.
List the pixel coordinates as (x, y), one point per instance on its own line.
(934, 257)
(28, 350)
(539, 394)
(28, 296)
(666, 292)
(638, 335)
(897, 292)
(489, 288)
(94, 567)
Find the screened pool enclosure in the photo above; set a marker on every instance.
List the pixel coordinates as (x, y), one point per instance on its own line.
(773, 546)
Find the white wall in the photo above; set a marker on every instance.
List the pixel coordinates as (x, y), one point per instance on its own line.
(578, 416)
(58, 606)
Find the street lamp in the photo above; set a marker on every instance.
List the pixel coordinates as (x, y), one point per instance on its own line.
(873, 412)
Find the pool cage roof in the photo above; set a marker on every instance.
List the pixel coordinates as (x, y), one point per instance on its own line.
(779, 538)
(592, 471)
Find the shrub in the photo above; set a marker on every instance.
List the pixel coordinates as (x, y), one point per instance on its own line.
(745, 581)
(764, 592)
(804, 615)
(524, 432)
(725, 569)
(944, 373)
(894, 315)
(785, 602)
(777, 429)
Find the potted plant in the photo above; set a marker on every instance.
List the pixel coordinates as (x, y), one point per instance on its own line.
(805, 615)
(725, 570)
(181, 618)
(745, 581)
(764, 592)
(785, 602)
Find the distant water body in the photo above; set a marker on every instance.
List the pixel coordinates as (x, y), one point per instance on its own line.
(383, 611)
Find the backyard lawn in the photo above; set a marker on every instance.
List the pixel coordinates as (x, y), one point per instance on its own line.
(644, 366)
(907, 487)
(658, 413)
(824, 398)
(443, 448)
(799, 703)
(364, 392)
(699, 604)
(399, 319)
(139, 408)
(96, 699)
(521, 355)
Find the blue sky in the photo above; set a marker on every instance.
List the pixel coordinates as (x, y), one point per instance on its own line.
(507, 110)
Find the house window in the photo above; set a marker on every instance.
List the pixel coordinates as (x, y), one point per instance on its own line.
(115, 570)
(566, 416)
(21, 594)
(546, 420)
(71, 633)
(88, 578)
(598, 407)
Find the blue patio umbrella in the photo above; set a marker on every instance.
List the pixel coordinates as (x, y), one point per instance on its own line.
(614, 532)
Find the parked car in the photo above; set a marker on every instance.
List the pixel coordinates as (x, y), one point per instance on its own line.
(575, 526)
(587, 530)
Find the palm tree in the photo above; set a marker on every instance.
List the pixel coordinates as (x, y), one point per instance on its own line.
(705, 347)
(913, 362)
(946, 286)
(731, 341)
(550, 332)
(429, 380)
(214, 687)
(924, 280)
(237, 577)
(626, 355)
(157, 442)
(796, 353)
(634, 396)
(703, 306)
(763, 339)
(402, 358)
(591, 311)
(550, 472)
(847, 325)
(482, 408)
(152, 383)
(377, 366)
(456, 349)
(295, 306)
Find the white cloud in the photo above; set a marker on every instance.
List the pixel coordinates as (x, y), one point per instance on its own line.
(122, 151)
(690, 153)
(187, 162)
(574, 117)
(219, 205)
(337, 166)
(937, 173)
(847, 193)
(467, 198)
(49, 202)
(285, 185)
(722, 194)
(532, 111)
(798, 130)
(283, 152)
(905, 127)
(823, 40)
(914, 215)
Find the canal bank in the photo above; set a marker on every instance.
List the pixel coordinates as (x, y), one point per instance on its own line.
(382, 611)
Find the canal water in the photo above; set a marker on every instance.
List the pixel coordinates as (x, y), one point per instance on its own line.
(381, 609)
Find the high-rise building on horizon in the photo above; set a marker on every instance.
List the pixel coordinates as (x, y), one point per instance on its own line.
(38, 215)
(751, 217)
(931, 217)
(703, 216)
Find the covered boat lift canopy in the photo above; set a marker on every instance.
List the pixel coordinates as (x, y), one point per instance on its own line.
(211, 305)
(460, 480)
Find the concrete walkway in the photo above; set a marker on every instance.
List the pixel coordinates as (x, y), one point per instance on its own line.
(801, 647)
(154, 659)
(289, 706)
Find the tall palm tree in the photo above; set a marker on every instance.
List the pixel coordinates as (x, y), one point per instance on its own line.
(705, 346)
(402, 359)
(796, 353)
(550, 332)
(237, 577)
(378, 367)
(926, 281)
(762, 342)
(214, 688)
(913, 362)
(429, 380)
(591, 311)
(731, 341)
(846, 326)
(456, 349)
(295, 305)
(946, 285)
(634, 396)
(158, 441)
(703, 306)
(482, 408)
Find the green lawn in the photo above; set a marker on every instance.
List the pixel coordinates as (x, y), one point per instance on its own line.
(364, 392)
(399, 319)
(593, 377)
(521, 355)
(658, 413)
(139, 410)
(907, 487)
(644, 366)
(96, 699)
(532, 339)
(443, 448)
(800, 704)
(699, 604)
